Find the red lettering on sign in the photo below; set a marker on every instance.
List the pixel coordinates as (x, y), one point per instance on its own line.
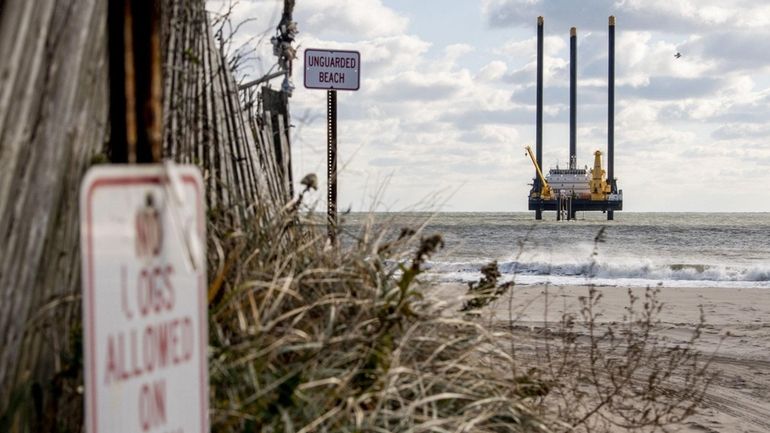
(111, 372)
(136, 369)
(152, 405)
(157, 347)
(154, 290)
(121, 361)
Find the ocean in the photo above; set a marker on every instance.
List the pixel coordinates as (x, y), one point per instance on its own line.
(730, 250)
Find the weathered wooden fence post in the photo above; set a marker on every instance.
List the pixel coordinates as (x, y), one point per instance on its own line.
(136, 87)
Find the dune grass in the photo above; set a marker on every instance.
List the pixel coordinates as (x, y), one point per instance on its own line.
(309, 336)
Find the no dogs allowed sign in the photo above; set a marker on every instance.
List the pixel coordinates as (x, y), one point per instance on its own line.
(144, 299)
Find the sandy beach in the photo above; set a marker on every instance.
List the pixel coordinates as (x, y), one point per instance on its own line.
(736, 332)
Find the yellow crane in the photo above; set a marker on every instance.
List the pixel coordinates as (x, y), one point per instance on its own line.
(545, 189)
(600, 188)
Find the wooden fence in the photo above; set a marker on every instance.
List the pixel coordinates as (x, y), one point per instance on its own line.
(54, 124)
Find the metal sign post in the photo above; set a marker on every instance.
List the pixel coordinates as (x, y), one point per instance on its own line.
(332, 70)
(331, 161)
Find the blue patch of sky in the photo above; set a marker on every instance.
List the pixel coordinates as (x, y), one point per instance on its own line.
(457, 22)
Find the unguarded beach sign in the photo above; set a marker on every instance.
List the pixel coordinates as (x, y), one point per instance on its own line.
(144, 301)
(332, 69)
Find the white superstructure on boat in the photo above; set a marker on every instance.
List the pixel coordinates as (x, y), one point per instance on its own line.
(569, 181)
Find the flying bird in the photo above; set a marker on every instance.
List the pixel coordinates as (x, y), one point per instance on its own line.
(677, 55)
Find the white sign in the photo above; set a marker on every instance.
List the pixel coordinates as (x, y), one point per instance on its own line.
(332, 69)
(145, 327)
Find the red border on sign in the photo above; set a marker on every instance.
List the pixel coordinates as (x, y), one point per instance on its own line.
(304, 74)
(91, 355)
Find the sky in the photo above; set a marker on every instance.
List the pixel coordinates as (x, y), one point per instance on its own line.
(447, 99)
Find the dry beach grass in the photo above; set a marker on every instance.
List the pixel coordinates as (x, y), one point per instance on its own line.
(308, 336)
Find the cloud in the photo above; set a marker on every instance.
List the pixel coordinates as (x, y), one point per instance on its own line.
(345, 18)
(379, 56)
(733, 50)
(672, 88)
(492, 71)
(741, 131)
(416, 86)
(382, 161)
(683, 17)
(473, 118)
(527, 48)
(514, 13)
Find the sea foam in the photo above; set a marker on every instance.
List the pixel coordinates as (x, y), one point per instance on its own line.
(612, 274)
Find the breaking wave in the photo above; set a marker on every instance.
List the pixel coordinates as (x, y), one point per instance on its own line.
(612, 274)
